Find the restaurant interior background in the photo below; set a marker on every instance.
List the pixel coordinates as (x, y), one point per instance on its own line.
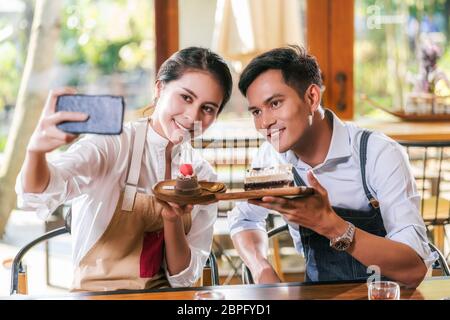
(370, 52)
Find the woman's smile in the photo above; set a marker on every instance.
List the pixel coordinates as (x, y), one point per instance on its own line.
(180, 126)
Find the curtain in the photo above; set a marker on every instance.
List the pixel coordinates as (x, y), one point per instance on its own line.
(246, 28)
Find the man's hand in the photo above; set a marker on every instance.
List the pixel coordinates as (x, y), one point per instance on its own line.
(313, 212)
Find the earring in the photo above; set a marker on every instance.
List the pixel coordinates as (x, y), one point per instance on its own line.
(310, 120)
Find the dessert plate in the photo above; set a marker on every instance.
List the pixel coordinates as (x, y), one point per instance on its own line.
(165, 190)
(216, 191)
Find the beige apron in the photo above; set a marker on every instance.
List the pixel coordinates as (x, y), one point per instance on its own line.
(130, 252)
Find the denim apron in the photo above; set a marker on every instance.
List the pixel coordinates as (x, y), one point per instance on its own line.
(324, 263)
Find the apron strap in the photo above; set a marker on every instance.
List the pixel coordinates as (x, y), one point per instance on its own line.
(363, 159)
(297, 179)
(135, 165)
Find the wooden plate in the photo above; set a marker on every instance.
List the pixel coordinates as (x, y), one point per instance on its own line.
(165, 190)
(215, 191)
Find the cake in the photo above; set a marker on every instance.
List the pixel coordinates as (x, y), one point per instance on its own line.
(267, 178)
(186, 182)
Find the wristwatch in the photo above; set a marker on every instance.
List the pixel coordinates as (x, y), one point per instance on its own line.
(344, 241)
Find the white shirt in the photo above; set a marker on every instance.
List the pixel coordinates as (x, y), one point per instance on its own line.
(92, 173)
(388, 176)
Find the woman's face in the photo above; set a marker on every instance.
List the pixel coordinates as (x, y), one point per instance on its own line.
(194, 98)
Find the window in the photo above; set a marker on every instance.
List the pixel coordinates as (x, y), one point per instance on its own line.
(104, 47)
(389, 38)
(240, 30)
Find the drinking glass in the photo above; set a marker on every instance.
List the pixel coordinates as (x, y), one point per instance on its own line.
(209, 295)
(384, 290)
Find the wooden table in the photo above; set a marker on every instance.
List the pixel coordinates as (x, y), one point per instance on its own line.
(409, 131)
(431, 289)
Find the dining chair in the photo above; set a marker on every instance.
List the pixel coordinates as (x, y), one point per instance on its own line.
(441, 262)
(430, 163)
(19, 281)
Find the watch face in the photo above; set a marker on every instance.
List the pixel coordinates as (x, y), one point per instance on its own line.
(341, 245)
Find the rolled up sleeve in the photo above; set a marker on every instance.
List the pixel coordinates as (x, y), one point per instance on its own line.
(46, 202)
(415, 237)
(396, 190)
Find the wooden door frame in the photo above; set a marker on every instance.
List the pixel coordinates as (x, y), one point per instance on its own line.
(166, 30)
(330, 37)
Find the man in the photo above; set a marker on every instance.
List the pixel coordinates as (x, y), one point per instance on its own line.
(365, 210)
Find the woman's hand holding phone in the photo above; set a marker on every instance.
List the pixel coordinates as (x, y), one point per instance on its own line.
(47, 137)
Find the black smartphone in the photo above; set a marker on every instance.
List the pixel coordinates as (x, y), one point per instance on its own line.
(105, 113)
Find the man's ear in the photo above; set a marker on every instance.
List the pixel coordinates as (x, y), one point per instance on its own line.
(312, 97)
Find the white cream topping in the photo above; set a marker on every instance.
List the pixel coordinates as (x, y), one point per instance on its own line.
(278, 173)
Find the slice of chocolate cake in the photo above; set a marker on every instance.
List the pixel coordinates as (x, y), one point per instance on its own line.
(267, 178)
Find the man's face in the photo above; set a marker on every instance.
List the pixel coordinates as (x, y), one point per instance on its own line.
(278, 111)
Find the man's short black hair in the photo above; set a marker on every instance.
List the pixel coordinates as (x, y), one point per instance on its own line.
(299, 69)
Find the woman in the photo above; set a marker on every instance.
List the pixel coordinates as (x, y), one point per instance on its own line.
(122, 237)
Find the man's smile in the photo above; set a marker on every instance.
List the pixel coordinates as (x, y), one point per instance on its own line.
(275, 133)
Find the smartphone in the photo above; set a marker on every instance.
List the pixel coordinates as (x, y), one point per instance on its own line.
(105, 113)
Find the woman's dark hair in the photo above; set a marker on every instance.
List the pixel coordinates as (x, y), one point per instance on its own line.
(196, 58)
(299, 69)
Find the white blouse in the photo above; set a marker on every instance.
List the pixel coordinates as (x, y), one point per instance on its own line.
(92, 173)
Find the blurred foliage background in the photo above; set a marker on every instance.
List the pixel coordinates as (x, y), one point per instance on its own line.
(106, 37)
(105, 47)
(388, 38)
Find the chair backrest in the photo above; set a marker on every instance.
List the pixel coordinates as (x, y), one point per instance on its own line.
(442, 262)
(18, 273)
(430, 162)
(68, 221)
(212, 268)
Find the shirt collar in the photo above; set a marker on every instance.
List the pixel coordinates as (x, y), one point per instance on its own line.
(340, 140)
(339, 147)
(155, 138)
(158, 141)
